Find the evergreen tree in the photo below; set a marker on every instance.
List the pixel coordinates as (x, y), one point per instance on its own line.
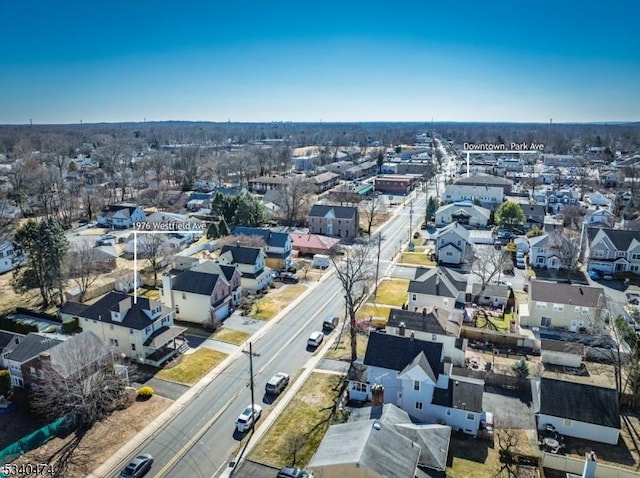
(521, 369)
(223, 229)
(213, 232)
(432, 207)
(46, 247)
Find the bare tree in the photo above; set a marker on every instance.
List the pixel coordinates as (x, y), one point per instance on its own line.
(355, 271)
(85, 265)
(566, 246)
(154, 248)
(508, 439)
(371, 209)
(294, 200)
(488, 263)
(572, 216)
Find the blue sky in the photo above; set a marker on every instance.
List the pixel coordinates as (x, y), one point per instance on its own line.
(492, 60)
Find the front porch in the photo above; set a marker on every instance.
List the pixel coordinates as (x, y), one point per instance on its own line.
(165, 343)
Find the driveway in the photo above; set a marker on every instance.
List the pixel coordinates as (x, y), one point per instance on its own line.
(511, 408)
(243, 323)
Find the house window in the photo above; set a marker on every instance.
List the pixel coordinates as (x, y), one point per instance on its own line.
(177, 309)
(114, 342)
(133, 346)
(413, 297)
(147, 330)
(358, 386)
(448, 413)
(33, 371)
(620, 253)
(471, 416)
(434, 337)
(577, 309)
(111, 326)
(184, 296)
(541, 305)
(635, 257)
(131, 331)
(449, 253)
(445, 301)
(558, 307)
(566, 422)
(599, 253)
(418, 405)
(416, 385)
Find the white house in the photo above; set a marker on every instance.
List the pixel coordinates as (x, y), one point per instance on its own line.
(541, 254)
(570, 306)
(492, 294)
(613, 250)
(434, 324)
(464, 213)
(451, 244)
(142, 330)
(411, 374)
(251, 264)
(600, 217)
(10, 256)
(205, 295)
(490, 196)
(577, 409)
(598, 199)
(122, 215)
(278, 245)
(439, 287)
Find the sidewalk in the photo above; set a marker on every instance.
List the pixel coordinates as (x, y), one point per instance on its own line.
(120, 456)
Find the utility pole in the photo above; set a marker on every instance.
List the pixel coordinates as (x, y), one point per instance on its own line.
(253, 413)
(410, 218)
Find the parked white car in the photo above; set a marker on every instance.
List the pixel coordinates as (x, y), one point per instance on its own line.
(315, 339)
(246, 418)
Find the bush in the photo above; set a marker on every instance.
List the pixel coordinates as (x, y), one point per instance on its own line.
(5, 382)
(145, 393)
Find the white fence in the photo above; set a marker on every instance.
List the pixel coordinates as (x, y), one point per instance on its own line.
(576, 466)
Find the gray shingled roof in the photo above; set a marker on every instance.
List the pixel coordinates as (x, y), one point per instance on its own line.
(559, 293)
(31, 346)
(201, 283)
(340, 212)
(241, 254)
(580, 402)
(561, 346)
(395, 352)
(436, 320)
(438, 281)
(460, 394)
(483, 180)
(621, 238)
(491, 290)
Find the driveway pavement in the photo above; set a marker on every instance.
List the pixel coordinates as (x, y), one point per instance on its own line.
(164, 388)
(243, 323)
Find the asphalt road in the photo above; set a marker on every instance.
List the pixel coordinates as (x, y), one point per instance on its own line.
(201, 440)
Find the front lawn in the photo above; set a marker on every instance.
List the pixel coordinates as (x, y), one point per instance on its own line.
(275, 301)
(373, 310)
(341, 350)
(231, 336)
(416, 258)
(302, 424)
(190, 368)
(392, 292)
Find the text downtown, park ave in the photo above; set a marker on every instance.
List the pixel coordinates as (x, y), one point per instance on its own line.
(503, 147)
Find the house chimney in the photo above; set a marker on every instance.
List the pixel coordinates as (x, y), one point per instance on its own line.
(44, 356)
(167, 288)
(402, 329)
(437, 284)
(590, 464)
(424, 312)
(237, 243)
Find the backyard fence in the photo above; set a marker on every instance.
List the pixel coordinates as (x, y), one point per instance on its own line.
(573, 465)
(60, 427)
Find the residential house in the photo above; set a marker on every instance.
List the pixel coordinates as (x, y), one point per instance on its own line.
(489, 196)
(561, 353)
(600, 218)
(598, 199)
(67, 359)
(558, 200)
(395, 184)
(435, 324)
(361, 170)
(577, 409)
(199, 200)
(439, 287)
(534, 215)
(381, 441)
(492, 295)
(187, 226)
(121, 215)
(255, 275)
(29, 348)
(451, 244)
(203, 294)
(464, 213)
(278, 245)
(411, 374)
(305, 163)
(542, 254)
(563, 305)
(10, 256)
(324, 181)
(612, 251)
(8, 342)
(141, 329)
(263, 184)
(330, 220)
(310, 244)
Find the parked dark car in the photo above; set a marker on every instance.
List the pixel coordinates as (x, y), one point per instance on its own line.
(139, 466)
(286, 278)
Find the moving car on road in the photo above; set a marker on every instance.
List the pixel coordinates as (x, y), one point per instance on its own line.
(139, 466)
(246, 418)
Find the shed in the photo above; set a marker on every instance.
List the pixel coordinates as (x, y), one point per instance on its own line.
(558, 352)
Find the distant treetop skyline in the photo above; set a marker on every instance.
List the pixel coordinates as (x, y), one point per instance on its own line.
(333, 62)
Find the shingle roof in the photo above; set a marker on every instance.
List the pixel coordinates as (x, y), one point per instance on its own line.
(621, 238)
(242, 254)
(484, 180)
(273, 239)
(454, 227)
(533, 210)
(491, 290)
(395, 352)
(435, 320)
(340, 212)
(421, 361)
(559, 293)
(8, 340)
(73, 308)
(561, 346)
(212, 267)
(468, 208)
(201, 283)
(580, 402)
(460, 394)
(438, 281)
(31, 346)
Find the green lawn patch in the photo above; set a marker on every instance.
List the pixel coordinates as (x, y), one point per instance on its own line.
(416, 258)
(501, 324)
(231, 336)
(149, 293)
(275, 301)
(302, 424)
(188, 369)
(392, 292)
